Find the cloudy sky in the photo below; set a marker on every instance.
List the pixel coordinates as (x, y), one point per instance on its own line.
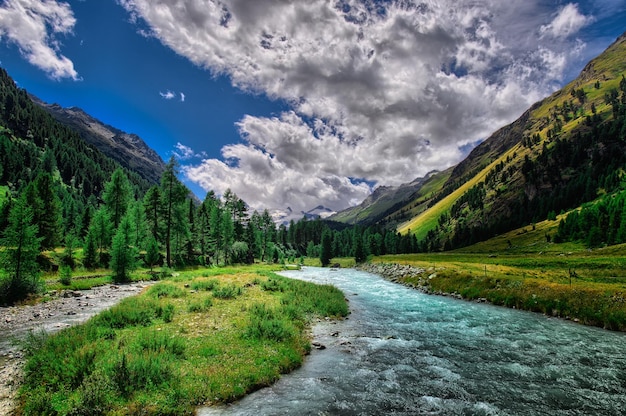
(293, 104)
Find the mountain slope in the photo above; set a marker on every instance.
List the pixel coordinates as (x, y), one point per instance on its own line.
(564, 151)
(383, 200)
(32, 141)
(129, 150)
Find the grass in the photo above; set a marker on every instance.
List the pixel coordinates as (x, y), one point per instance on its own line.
(178, 345)
(587, 286)
(343, 262)
(428, 220)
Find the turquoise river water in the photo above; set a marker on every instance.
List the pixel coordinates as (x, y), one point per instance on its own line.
(402, 352)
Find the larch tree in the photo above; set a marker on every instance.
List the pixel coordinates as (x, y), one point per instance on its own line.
(117, 196)
(123, 255)
(173, 194)
(18, 256)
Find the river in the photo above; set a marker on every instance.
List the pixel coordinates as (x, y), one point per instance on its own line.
(403, 352)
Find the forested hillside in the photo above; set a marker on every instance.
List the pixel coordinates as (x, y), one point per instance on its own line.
(565, 151)
(65, 205)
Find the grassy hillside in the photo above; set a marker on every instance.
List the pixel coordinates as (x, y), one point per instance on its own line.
(428, 220)
(564, 151)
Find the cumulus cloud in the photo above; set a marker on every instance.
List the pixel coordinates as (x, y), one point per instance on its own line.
(380, 92)
(34, 26)
(567, 22)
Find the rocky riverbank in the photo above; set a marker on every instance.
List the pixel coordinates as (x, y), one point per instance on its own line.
(407, 275)
(63, 309)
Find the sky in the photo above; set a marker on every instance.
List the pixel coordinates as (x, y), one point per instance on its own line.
(294, 104)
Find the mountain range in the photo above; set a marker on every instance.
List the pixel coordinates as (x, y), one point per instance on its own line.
(566, 150)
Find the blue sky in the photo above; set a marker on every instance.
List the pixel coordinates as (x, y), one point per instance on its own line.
(296, 104)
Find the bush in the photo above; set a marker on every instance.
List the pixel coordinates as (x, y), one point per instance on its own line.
(200, 306)
(227, 292)
(65, 275)
(206, 285)
(129, 312)
(166, 312)
(166, 290)
(270, 324)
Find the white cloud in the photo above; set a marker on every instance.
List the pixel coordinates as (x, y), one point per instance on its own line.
(182, 97)
(168, 95)
(184, 153)
(33, 25)
(382, 96)
(567, 22)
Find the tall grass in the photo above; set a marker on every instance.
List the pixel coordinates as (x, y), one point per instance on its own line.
(176, 346)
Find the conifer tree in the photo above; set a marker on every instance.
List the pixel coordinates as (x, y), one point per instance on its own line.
(90, 252)
(117, 196)
(152, 253)
(123, 255)
(173, 193)
(41, 197)
(18, 255)
(100, 229)
(326, 248)
(152, 208)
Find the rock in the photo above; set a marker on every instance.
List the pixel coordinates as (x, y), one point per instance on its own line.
(335, 334)
(318, 345)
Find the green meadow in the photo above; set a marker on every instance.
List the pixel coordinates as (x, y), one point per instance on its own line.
(198, 338)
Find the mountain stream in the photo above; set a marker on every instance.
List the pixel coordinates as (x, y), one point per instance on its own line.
(403, 352)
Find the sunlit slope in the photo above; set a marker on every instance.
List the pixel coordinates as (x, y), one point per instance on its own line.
(427, 220)
(564, 151)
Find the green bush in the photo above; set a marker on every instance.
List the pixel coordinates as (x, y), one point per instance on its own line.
(206, 285)
(165, 312)
(162, 290)
(65, 275)
(200, 305)
(129, 312)
(268, 323)
(230, 291)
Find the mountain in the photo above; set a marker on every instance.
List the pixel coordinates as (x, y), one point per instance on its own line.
(32, 142)
(129, 150)
(319, 211)
(383, 200)
(565, 151)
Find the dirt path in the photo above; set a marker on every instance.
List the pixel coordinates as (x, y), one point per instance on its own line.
(65, 309)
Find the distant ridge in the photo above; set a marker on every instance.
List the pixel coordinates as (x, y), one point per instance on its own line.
(129, 150)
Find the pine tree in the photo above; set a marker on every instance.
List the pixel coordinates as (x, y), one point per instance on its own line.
(41, 197)
(90, 252)
(152, 208)
(18, 258)
(117, 196)
(152, 253)
(173, 193)
(326, 248)
(100, 228)
(123, 255)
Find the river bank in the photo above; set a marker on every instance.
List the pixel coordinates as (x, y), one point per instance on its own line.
(63, 309)
(589, 303)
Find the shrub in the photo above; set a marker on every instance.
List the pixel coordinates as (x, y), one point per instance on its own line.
(65, 275)
(227, 292)
(267, 323)
(200, 306)
(129, 312)
(163, 290)
(206, 285)
(165, 312)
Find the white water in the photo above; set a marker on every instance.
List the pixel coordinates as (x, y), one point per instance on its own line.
(403, 352)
